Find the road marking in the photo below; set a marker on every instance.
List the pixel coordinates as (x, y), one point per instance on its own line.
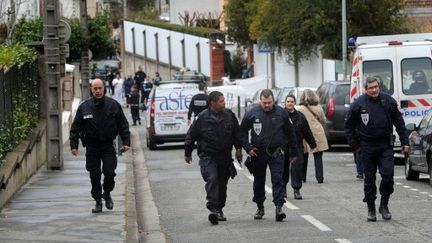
(315, 222)
(343, 241)
(291, 206)
(413, 189)
(424, 193)
(398, 183)
(430, 195)
(405, 186)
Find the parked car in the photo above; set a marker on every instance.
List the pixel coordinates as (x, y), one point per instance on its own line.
(166, 117)
(419, 159)
(99, 67)
(335, 101)
(285, 91)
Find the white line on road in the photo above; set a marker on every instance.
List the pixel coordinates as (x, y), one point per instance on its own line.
(424, 193)
(406, 186)
(343, 241)
(290, 206)
(398, 183)
(413, 189)
(268, 189)
(315, 222)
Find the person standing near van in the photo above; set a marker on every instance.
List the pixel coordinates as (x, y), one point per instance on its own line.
(310, 107)
(216, 131)
(97, 122)
(198, 102)
(146, 88)
(134, 99)
(118, 88)
(271, 131)
(369, 128)
(303, 131)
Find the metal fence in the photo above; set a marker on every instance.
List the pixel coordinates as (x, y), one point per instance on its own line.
(19, 89)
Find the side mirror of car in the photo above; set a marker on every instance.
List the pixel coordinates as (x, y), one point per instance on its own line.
(411, 127)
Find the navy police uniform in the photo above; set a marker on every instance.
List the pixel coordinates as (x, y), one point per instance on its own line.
(198, 103)
(215, 134)
(369, 127)
(98, 122)
(270, 133)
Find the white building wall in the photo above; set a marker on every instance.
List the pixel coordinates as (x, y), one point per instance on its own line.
(28, 8)
(312, 72)
(190, 43)
(199, 6)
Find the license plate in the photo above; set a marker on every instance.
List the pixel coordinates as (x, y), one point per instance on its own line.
(170, 127)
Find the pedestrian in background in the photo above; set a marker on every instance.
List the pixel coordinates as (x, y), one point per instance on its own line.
(109, 78)
(369, 129)
(146, 88)
(303, 131)
(128, 83)
(97, 122)
(198, 102)
(271, 131)
(118, 89)
(157, 79)
(216, 131)
(134, 99)
(310, 107)
(139, 78)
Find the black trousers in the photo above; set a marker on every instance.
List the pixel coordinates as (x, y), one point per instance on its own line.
(381, 157)
(295, 169)
(215, 173)
(276, 165)
(135, 113)
(101, 159)
(319, 170)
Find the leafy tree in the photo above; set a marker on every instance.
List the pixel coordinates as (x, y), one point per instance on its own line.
(28, 31)
(76, 41)
(238, 17)
(100, 41)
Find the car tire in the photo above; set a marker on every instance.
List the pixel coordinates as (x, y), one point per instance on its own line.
(151, 144)
(430, 171)
(410, 174)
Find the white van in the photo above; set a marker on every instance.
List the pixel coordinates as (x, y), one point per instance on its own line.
(403, 63)
(166, 117)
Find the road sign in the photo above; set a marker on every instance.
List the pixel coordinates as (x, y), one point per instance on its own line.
(263, 47)
(64, 31)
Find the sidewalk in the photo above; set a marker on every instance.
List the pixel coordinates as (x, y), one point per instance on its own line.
(55, 206)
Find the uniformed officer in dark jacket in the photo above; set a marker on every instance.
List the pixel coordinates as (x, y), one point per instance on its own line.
(369, 127)
(97, 122)
(198, 102)
(302, 130)
(216, 131)
(271, 131)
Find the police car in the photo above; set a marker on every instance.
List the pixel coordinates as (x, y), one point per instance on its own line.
(166, 116)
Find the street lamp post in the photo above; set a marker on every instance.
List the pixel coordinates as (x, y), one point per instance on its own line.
(344, 40)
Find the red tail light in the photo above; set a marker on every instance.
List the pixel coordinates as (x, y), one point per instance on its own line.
(331, 108)
(152, 110)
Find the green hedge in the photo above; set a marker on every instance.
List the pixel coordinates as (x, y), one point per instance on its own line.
(16, 54)
(198, 31)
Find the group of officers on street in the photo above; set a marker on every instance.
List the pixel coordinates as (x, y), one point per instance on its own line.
(271, 136)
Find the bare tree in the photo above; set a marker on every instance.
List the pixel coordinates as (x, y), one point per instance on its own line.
(187, 19)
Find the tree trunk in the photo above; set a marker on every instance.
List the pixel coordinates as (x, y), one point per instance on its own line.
(296, 71)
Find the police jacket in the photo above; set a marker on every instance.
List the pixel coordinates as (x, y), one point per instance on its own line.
(269, 130)
(97, 122)
(215, 134)
(371, 121)
(302, 129)
(198, 103)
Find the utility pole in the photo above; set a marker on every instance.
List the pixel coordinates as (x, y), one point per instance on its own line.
(53, 85)
(85, 73)
(344, 40)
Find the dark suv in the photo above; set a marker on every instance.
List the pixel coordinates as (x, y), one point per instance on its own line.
(334, 99)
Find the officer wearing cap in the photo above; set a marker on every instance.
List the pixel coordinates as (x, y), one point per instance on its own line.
(97, 122)
(369, 128)
(271, 131)
(216, 131)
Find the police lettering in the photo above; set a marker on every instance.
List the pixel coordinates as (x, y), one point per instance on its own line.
(415, 113)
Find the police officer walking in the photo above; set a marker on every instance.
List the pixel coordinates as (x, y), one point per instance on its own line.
(216, 131)
(369, 127)
(271, 131)
(97, 122)
(198, 102)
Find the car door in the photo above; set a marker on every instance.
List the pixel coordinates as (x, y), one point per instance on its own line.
(418, 143)
(341, 104)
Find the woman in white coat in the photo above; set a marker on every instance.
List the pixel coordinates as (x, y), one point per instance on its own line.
(310, 107)
(118, 89)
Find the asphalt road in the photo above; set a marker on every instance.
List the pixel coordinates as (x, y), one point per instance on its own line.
(329, 212)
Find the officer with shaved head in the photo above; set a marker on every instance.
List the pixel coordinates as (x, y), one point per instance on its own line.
(97, 122)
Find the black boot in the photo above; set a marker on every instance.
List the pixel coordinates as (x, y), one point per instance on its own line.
(383, 208)
(371, 212)
(213, 217)
(280, 215)
(297, 194)
(260, 212)
(221, 216)
(109, 204)
(98, 207)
